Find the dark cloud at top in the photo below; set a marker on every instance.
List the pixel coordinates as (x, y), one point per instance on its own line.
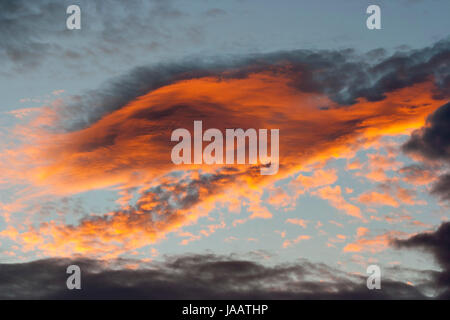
(436, 243)
(35, 31)
(433, 143)
(24, 27)
(192, 277)
(342, 75)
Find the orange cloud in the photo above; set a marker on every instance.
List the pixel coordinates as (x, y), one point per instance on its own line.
(279, 198)
(375, 198)
(132, 145)
(130, 148)
(319, 178)
(374, 244)
(361, 231)
(392, 195)
(417, 175)
(289, 243)
(334, 197)
(299, 222)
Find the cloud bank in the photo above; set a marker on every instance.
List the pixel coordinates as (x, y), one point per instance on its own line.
(192, 277)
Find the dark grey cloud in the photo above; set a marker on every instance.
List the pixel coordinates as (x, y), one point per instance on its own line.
(342, 75)
(433, 143)
(24, 26)
(418, 171)
(437, 244)
(34, 32)
(183, 193)
(206, 276)
(215, 12)
(442, 187)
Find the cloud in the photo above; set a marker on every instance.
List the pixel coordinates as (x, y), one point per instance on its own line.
(432, 143)
(373, 244)
(134, 141)
(342, 76)
(22, 39)
(375, 198)
(417, 174)
(390, 194)
(297, 221)
(174, 202)
(334, 196)
(442, 187)
(214, 12)
(35, 32)
(300, 238)
(118, 137)
(191, 277)
(378, 165)
(317, 179)
(437, 243)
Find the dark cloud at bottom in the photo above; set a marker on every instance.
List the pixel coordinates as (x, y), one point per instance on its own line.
(210, 276)
(193, 277)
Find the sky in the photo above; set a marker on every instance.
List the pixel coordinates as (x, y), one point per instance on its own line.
(86, 175)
